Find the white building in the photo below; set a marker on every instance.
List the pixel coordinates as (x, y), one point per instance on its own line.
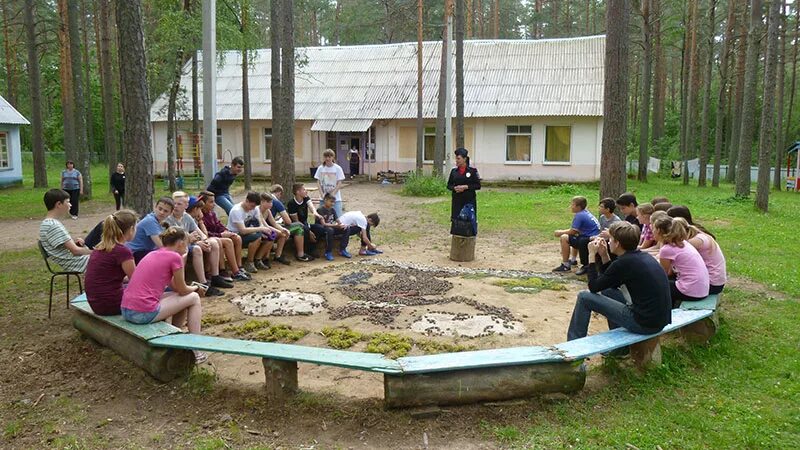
(533, 108)
(10, 150)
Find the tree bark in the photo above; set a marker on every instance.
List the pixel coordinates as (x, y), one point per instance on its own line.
(420, 119)
(644, 118)
(171, 112)
(135, 107)
(781, 81)
(767, 139)
(10, 59)
(793, 83)
(704, 125)
(439, 151)
(684, 88)
(721, 96)
(246, 151)
(282, 81)
(107, 85)
(276, 35)
(88, 80)
(615, 102)
(459, 73)
(736, 119)
(195, 116)
(659, 74)
(749, 102)
(39, 163)
(82, 151)
(496, 15)
(691, 92)
(65, 77)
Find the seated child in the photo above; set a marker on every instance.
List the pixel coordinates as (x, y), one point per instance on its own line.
(70, 254)
(683, 211)
(243, 219)
(215, 228)
(584, 227)
(707, 246)
(148, 231)
(663, 206)
(606, 217)
(298, 209)
(644, 211)
(144, 301)
(195, 211)
(282, 218)
(646, 282)
(279, 233)
(332, 228)
(627, 205)
(358, 224)
(657, 200)
(109, 264)
(680, 260)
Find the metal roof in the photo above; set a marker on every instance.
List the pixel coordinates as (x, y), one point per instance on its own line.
(9, 115)
(502, 78)
(341, 125)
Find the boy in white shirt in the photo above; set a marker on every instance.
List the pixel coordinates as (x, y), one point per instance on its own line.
(329, 176)
(244, 219)
(360, 225)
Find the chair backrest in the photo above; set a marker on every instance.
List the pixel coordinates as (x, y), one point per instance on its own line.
(45, 256)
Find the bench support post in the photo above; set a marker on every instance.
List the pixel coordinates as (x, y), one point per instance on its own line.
(462, 248)
(701, 331)
(479, 385)
(163, 364)
(281, 377)
(647, 353)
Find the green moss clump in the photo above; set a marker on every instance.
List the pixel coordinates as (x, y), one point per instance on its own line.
(431, 346)
(530, 284)
(248, 327)
(212, 320)
(341, 337)
(279, 333)
(391, 345)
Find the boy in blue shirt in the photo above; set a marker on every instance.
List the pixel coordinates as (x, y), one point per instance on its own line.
(149, 228)
(584, 227)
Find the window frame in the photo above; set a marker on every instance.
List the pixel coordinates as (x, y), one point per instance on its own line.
(264, 141)
(545, 162)
(5, 152)
(529, 134)
(426, 133)
(220, 148)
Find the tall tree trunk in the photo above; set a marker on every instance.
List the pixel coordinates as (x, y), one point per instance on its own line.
(420, 119)
(102, 23)
(496, 15)
(749, 102)
(171, 112)
(691, 92)
(644, 119)
(195, 115)
(767, 139)
(135, 107)
(684, 87)
(459, 73)
(779, 142)
(793, 83)
(724, 59)
(736, 119)
(87, 79)
(246, 151)
(84, 156)
(39, 163)
(337, 25)
(439, 151)
(615, 101)
(659, 74)
(704, 125)
(10, 59)
(282, 83)
(65, 81)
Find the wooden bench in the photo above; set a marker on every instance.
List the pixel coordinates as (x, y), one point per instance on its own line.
(165, 353)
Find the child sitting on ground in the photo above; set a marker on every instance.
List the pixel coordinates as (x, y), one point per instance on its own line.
(332, 227)
(195, 211)
(358, 224)
(644, 211)
(109, 264)
(298, 209)
(627, 205)
(689, 279)
(144, 301)
(584, 227)
(277, 233)
(70, 254)
(243, 219)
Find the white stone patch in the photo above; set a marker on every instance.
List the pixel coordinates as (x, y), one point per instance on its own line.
(280, 304)
(445, 324)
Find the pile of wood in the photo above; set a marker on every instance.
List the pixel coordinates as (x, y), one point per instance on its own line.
(393, 177)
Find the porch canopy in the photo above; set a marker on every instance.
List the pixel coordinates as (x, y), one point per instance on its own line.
(342, 125)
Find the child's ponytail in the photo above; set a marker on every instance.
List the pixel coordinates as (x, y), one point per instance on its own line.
(114, 228)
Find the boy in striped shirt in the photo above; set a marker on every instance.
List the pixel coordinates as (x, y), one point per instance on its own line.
(71, 255)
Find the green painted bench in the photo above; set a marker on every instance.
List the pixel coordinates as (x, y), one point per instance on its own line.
(165, 352)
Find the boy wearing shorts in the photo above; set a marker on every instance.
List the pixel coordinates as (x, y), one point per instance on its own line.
(584, 227)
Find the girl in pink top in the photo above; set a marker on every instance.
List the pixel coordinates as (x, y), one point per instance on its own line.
(712, 257)
(145, 301)
(680, 260)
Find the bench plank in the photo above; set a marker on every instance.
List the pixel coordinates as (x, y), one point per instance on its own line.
(145, 332)
(709, 302)
(478, 359)
(287, 352)
(79, 299)
(620, 337)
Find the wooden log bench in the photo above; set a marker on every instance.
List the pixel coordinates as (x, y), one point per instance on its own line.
(165, 352)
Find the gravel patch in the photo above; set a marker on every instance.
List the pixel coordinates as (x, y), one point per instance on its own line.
(282, 303)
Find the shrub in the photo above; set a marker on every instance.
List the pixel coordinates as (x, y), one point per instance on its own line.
(424, 186)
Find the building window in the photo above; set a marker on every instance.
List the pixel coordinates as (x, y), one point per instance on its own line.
(429, 144)
(371, 145)
(267, 144)
(557, 144)
(219, 144)
(5, 161)
(518, 143)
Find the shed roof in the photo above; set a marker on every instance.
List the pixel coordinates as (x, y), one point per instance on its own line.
(9, 115)
(502, 78)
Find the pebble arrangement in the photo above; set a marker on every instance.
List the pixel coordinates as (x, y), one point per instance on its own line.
(280, 304)
(456, 271)
(466, 325)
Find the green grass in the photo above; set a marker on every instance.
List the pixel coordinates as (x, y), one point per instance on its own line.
(424, 186)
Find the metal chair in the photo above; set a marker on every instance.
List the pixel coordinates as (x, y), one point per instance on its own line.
(54, 275)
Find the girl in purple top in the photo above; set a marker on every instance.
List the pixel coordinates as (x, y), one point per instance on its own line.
(145, 301)
(680, 260)
(110, 262)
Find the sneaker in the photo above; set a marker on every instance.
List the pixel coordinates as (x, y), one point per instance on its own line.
(241, 275)
(345, 253)
(564, 267)
(312, 255)
(249, 267)
(200, 357)
(376, 251)
(573, 262)
(266, 262)
(261, 266)
(329, 256)
(304, 258)
(214, 292)
(367, 253)
(282, 259)
(582, 271)
(218, 281)
(74, 217)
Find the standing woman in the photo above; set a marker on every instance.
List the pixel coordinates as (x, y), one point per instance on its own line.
(464, 181)
(118, 185)
(72, 183)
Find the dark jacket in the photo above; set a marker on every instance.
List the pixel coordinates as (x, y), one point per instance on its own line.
(118, 182)
(471, 179)
(222, 181)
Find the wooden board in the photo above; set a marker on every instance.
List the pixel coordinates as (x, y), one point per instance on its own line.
(620, 337)
(79, 299)
(462, 248)
(144, 332)
(287, 352)
(709, 302)
(478, 359)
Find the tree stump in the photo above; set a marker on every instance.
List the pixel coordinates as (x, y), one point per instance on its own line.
(701, 331)
(646, 353)
(281, 378)
(462, 248)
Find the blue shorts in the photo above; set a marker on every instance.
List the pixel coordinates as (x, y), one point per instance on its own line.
(140, 318)
(247, 239)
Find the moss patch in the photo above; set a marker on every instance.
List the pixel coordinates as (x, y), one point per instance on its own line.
(431, 346)
(212, 320)
(341, 337)
(529, 284)
(391, 345)
(263, 330)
